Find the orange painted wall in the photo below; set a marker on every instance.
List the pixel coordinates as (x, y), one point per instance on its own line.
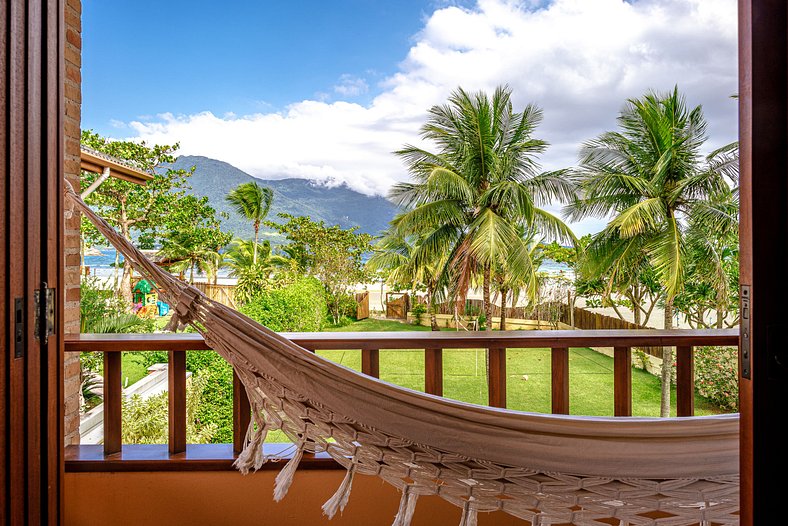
(228, 498)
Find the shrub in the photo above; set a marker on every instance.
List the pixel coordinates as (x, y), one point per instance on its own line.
(418, 312)
(299, 306)
(145, 420)
(717, 376)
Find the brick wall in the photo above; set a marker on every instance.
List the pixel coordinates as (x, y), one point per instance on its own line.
(73, 109)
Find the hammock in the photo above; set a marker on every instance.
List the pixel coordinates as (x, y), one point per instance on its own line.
(546, 469)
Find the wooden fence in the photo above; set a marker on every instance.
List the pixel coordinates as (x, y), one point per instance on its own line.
(362, 305)
(224, 294)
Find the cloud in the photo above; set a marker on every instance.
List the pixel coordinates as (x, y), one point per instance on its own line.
(351, 86)
(576, 59)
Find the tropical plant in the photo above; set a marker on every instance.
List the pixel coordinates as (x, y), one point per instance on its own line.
(509, 286)
(145, 419)
(652, 179)
(394, 255)
(252, 201)
(469, 197)
(330, 253)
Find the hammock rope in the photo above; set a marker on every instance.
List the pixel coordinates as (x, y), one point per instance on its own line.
(545, 469)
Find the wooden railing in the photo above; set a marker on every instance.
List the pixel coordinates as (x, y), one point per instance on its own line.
(370, 345)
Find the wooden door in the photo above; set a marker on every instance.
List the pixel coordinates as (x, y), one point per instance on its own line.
(763, 131)
(362, 307)
(396, 305)
(31, 234)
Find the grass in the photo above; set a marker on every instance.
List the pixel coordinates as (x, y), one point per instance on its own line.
(528, 382)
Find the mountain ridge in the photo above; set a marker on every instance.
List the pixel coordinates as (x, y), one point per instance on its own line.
(337, 205)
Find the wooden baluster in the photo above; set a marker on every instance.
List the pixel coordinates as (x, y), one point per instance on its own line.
(176, 388)
(560, 380)
(496, 377)
(112, 403)
(433, 371)
(685, 381)
(242, 414)
(622, 381)
(370, 362)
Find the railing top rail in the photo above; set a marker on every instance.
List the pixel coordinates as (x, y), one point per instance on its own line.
(423, 340)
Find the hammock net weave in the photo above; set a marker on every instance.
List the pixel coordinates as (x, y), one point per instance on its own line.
(545, 469)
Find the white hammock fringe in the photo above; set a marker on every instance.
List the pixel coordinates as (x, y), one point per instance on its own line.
(339, 500)
(253, 455)
(407, 507)
(285, 477)
(469, 515)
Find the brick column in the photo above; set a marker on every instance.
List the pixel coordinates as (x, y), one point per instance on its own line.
(73, 109)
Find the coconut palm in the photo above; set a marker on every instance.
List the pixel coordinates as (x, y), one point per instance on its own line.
(469, 197)
(651, 178)
(510, 287)
(252, 201)
(241, 256)
(183, 250)
(393, 255)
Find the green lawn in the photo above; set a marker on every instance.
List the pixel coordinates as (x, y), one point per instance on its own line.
(528, 382)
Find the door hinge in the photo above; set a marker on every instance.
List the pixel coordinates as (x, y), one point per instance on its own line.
(44, 308)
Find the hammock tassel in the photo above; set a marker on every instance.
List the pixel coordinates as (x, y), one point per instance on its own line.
(285, 477)
(407, 506)
(468, 515)
(252, 456)
(340, 498)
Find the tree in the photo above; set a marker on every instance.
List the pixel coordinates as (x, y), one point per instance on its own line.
(194, 239)
(470, 196)
(253, 278)
(510, 287)
(651, 178)
(394, 255)
(138, 212)
(330, 253)
(252, 201)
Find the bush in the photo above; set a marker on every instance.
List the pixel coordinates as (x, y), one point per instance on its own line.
(145, 420)
(717, 376)
(299, 306)
(418, 312)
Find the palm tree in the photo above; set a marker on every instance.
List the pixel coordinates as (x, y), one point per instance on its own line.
(393, 254)
(241, 256)
(652, 179)
(252, 201)
(181, 251)
(471, 195)
(509, 287)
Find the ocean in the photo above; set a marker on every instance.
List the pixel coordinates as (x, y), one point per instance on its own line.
(102, 266)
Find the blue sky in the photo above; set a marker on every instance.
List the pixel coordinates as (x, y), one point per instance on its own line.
(167, 56)
(327, 90)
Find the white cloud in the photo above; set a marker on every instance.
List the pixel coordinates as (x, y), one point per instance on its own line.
(351, 86)
(577, 59)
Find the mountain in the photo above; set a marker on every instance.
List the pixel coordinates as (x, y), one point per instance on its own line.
(336, 206)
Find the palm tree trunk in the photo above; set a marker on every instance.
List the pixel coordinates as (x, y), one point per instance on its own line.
(431, 309)
(256, 234)
(667, 363)
(504, 292)
(191, 274)
(488, 310)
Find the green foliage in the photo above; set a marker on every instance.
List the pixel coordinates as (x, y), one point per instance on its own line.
(330, 253)
(145, 420)
(470, 200)
(298, 306)
(136, 211)
(193, 238)
(717, 375)
(418, 311)
(252, 201)
(253, 277)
